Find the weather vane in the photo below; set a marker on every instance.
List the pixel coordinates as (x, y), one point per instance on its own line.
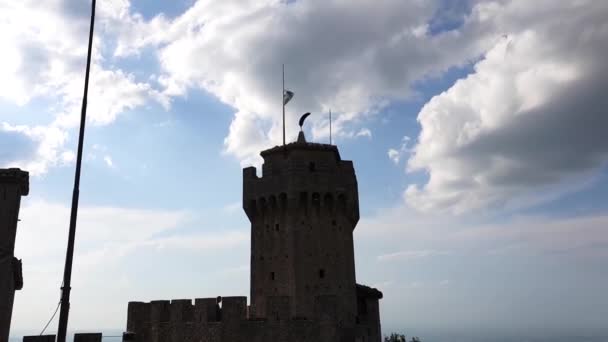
(302, 118)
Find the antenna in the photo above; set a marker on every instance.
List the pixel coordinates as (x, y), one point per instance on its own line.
(330, 126)
(283, 102)
(69, 255)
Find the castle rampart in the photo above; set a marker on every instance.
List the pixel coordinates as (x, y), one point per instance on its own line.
(181, 320)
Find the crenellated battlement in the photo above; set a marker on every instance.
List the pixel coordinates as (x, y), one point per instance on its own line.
(209, 310)
(330, 203)
(228, 320)
(298, 176)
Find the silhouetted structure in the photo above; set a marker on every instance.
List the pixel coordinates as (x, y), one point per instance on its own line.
(303, 211)
(14, 183)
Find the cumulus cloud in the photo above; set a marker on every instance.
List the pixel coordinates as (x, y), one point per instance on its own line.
(364, 132)
(235, 49)
(108, 160)
(395, 154)
(529, 117)
(485, 142)
(44, 55)
(17, 145)
(530, 88)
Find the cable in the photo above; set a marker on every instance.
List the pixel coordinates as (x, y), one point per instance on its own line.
(54, 313)
(50, 320)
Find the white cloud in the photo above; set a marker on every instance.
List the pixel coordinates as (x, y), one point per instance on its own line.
(45, 51)
(526, 122)
(393, 155)
(234, 50)
(364, 132)
(68, 157)
(476, 137)
(108, 160)
(410, 255)
(396, 154)
(112, 246)
(46, 144)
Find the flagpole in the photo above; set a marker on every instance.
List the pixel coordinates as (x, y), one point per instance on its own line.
(283, 102)
(330, 126)
(67, 271)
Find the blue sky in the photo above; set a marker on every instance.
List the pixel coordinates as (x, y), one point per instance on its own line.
(475, 127)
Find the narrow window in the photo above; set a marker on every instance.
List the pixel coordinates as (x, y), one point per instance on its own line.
(271, 275)
(312, 167)
(321, 273)
(276, 227)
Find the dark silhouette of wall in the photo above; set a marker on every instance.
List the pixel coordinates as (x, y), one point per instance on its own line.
(14, 183)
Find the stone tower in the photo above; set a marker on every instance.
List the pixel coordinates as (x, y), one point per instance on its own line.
(303, 210)
(14, 183)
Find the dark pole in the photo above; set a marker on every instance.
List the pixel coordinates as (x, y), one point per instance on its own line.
(69, 255)
(330, 126)
(283, 101)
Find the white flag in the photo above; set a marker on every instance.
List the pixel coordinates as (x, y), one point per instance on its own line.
(287, 95)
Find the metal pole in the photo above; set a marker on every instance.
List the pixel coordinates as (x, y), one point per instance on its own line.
(283, 102)
(330, 126)
(67, 271)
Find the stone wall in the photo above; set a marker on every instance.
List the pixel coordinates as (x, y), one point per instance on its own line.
(14, 183)
(179, 320)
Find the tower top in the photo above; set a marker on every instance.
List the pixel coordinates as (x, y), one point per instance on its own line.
(16, 176)
(301, 145)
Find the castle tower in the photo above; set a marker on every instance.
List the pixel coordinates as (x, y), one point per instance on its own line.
(14, 183)
(303, 210)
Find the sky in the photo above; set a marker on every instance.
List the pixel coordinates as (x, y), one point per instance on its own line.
(477, 131)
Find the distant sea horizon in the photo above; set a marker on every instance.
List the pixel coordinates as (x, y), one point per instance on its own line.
(111, 335)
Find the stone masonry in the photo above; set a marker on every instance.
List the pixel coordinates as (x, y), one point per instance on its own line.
(303, 211)
(14, 183)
